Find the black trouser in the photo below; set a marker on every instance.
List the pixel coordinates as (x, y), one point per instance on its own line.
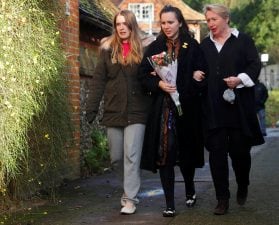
(220, 143)
(167, 176)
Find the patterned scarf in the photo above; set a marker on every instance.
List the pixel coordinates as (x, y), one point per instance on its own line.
(173, 48)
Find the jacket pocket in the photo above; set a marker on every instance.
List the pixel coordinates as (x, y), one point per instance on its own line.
(140, 101)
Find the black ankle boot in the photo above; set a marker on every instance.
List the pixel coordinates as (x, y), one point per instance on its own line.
(222, 207)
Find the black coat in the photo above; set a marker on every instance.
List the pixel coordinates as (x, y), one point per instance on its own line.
(238, 55)
(190, 139)
(261, 95)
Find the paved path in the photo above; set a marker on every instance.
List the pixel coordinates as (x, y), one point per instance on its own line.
(95, 201)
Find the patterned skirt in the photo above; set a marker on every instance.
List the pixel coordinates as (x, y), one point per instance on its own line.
(168, 148)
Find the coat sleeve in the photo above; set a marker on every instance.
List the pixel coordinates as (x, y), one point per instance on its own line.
(253, 64)
(199, 63)
(149, 82)
(97, 87)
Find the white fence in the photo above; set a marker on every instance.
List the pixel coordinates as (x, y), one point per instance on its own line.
(270, 76)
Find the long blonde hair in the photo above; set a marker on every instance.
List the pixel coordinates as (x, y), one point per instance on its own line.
(114, 42)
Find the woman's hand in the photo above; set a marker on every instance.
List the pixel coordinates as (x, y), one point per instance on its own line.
(232, 81)
(153, 73)
(198, 75)
(167, 87)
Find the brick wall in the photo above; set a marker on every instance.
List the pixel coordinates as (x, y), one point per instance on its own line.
(70, 41)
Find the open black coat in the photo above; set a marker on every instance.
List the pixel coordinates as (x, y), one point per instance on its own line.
(190, 140)
(238, 55)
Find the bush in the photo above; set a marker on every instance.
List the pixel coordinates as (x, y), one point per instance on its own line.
(35, 119)
(97, 158)
(272, 108)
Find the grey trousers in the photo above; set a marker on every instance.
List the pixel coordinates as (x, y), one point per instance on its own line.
(125, 144)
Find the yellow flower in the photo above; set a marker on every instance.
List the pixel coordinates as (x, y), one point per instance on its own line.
(185, 45)
(23, 19)
(8, 104)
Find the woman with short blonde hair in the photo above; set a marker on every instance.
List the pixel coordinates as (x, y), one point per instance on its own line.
(231, 122)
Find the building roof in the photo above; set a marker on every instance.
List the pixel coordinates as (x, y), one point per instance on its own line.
(98, 12)
(116, 2)
(188, 13)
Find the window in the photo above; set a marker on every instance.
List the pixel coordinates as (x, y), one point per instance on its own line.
(143, 11)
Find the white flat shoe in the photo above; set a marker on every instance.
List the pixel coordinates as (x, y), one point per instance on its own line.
(169, 212)
(128, 210)
(191, 200)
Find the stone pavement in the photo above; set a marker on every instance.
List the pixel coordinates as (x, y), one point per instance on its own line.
(96, 201)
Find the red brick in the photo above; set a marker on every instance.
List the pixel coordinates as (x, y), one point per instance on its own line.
(69, 26)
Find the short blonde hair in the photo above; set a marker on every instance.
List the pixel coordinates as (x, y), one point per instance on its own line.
(220, 9)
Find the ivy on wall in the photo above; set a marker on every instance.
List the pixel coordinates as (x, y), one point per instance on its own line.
(34, 121)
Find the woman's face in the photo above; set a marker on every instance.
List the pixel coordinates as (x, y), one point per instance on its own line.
(170, 25)
(216, 24)
(122, 29)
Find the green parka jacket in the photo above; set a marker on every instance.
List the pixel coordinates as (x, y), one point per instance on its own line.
(125, 100)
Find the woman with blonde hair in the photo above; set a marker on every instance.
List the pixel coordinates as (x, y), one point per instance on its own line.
(231, 125)
(125, 102)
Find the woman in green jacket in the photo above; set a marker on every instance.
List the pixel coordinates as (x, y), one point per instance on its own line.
(125, 102)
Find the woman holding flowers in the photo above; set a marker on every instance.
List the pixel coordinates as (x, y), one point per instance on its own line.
(173, 132)
(125, 102)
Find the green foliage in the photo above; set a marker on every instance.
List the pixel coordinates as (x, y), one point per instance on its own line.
(195, 4)
(198, 4)
(272, 108)
(33, 96)
(97, 158)
(260, 18)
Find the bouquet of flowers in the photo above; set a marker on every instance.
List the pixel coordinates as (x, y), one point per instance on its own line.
(166, 68)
